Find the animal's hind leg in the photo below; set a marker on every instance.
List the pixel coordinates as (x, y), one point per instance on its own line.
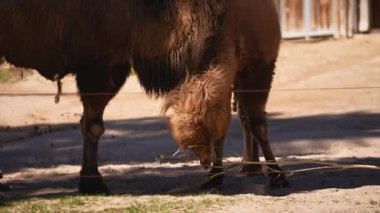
(257, 82)
(260, 132)
(97, 84)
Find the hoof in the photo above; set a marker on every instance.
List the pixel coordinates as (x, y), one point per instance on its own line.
(4, 188)
(213, 184)
(279, 181)
(93, 186)
(251, 170)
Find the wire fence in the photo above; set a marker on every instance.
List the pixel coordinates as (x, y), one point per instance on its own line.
(10, 94)
(233, 168)
(229, 167)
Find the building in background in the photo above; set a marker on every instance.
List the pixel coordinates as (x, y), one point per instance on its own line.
(338, 18)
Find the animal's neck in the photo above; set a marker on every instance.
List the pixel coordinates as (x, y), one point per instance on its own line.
(185, 36)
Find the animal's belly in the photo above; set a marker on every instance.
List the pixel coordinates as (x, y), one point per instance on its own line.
(48, 64)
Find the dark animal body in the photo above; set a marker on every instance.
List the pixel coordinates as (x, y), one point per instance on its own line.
(164, 40)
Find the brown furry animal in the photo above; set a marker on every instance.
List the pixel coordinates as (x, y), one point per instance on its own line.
(164, 40)
(100, 40)
(201, 104)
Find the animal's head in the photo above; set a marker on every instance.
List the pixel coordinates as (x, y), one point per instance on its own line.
(189, 133)
(201, 113)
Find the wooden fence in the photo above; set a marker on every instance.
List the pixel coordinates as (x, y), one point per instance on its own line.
(310, 18)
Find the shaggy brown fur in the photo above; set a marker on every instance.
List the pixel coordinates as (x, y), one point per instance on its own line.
(201, 114)
(100, 40)
(202, 104)
(160, 37)
(164, 40)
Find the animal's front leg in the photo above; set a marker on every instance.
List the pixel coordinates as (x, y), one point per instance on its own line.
(98, 84)
(251, 160)
(257, 80)
(216, 175)
(91, 182)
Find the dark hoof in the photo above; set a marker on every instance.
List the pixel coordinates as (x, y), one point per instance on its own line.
(279, 181)
(213, 184)
(93, 186)
(4, 188)
(251, 170)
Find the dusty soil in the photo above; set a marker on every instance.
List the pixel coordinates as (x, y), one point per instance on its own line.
(40, 142)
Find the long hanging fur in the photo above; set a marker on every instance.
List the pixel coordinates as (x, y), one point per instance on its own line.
(201, 95)
(163, 39)
(193, 34)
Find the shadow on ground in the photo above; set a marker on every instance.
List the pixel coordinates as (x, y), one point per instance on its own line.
(142, 140)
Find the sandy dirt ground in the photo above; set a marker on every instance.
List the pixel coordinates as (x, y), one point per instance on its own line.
(40, 142)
